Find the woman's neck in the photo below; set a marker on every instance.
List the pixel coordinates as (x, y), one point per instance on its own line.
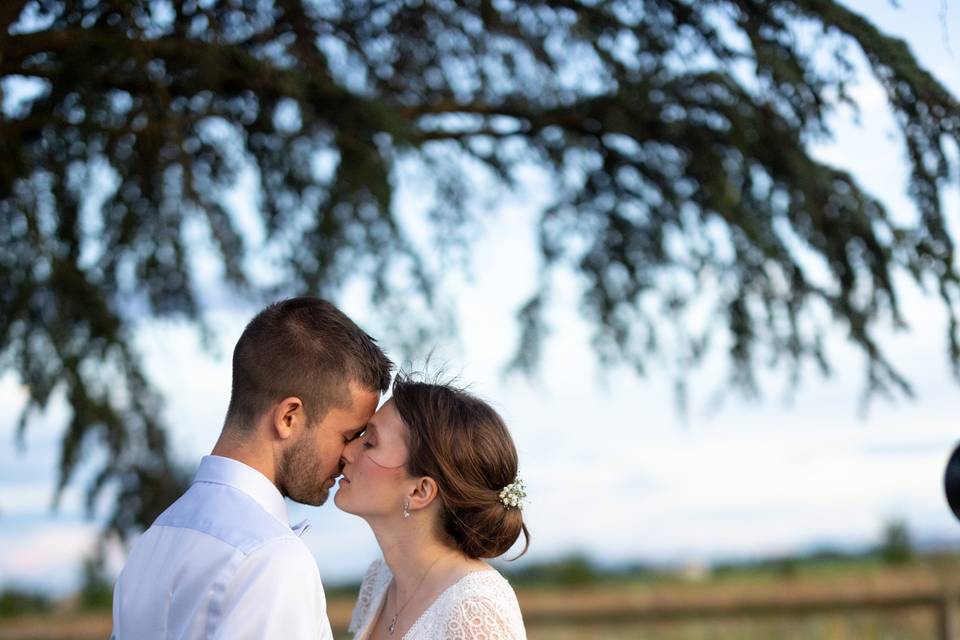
(411, 550)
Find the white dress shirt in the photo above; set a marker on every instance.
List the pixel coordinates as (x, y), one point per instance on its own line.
(222, 562)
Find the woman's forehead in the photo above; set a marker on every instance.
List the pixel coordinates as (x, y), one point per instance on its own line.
(385, 421)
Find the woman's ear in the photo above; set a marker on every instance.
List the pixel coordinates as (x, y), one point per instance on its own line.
(423, 493)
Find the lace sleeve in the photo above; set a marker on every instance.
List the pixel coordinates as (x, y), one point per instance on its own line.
(481, 618)
(365, 599)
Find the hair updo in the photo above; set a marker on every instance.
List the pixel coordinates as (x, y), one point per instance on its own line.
(463, 444)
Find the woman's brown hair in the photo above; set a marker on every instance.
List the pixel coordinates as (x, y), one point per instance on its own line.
(463, 444)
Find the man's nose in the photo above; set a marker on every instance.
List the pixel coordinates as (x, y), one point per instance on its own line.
(348, 452)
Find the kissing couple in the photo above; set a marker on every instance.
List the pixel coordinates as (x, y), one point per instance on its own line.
(433, 472)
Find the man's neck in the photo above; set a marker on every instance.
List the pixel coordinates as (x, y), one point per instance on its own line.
(249, 451)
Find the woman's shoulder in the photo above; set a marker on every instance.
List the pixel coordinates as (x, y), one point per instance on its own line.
(371, 589)
(376, 578)
(483, 582)
(482, 604)
(377, 568)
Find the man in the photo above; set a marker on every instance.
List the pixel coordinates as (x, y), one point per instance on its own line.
(223, 561)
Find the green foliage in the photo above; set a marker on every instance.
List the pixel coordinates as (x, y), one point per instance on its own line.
(348, 590)
(820, 560)
(674, 134)
(580, 570)
(571, 571)
(897, 546)
(787, 567)
(15, 602)
(96, 589)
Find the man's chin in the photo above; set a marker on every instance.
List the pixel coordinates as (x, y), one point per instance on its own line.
(312, 501)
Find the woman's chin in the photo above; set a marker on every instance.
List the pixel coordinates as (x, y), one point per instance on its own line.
(341, 501)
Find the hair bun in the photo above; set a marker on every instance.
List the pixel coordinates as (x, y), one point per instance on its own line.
(440, 418)
(486, 531)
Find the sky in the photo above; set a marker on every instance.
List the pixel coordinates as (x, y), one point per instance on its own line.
(612, 469)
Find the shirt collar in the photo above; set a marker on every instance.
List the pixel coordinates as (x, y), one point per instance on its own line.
(233, 473)
(301, 528)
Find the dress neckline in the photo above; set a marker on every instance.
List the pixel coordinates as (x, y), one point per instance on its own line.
(383, 598)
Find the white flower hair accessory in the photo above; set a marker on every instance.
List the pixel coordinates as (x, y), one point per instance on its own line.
(513, 494)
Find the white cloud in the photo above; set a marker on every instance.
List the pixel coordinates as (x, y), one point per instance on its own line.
(18, 499)
(46, 555)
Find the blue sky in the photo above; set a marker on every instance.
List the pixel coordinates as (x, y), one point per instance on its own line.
(611, 469)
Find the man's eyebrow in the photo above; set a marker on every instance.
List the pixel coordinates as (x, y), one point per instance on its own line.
(358, 430)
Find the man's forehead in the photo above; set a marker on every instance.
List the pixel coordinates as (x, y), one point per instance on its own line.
(362, 402)
(352, 418)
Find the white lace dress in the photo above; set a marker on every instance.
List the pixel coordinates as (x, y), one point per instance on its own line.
(481, 605)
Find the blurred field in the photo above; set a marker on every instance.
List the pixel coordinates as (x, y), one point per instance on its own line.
(914, 625)
(855, 602)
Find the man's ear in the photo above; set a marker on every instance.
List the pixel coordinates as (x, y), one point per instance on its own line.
(289, 418)
(423, 493)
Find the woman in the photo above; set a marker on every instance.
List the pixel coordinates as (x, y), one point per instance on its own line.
(435, 477)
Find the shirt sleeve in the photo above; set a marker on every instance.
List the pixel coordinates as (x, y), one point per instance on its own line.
(274, 593)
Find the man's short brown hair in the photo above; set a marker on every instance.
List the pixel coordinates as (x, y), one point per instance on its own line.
(303, 347)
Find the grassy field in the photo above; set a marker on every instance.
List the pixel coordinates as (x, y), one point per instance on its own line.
(915, 625)
(853, 601)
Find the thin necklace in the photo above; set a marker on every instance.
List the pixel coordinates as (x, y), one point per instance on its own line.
(396, 595)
